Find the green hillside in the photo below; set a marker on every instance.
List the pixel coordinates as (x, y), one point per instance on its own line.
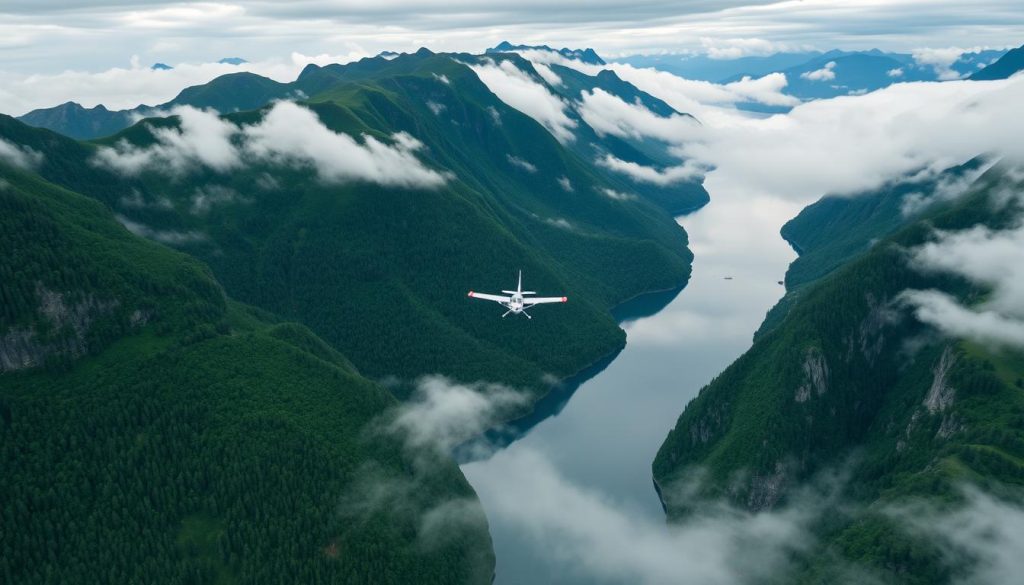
(850, 381)
(1008, 65)
(154, 431)
(381, 273)
(831, 232)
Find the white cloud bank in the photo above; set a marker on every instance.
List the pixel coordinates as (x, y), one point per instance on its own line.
(288, 134)
(19, 156)
(522, 92)
(994, 259)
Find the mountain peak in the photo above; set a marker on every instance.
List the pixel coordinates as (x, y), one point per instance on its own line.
(232, 61)
(161, 67)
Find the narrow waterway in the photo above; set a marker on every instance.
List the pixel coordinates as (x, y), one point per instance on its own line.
(568, 501)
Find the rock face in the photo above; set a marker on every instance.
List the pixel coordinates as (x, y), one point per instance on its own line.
(67, 325)
(816, 375)
(941, 394)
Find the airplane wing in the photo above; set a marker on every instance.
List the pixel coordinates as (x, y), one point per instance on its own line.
(495, 298)
(529, 302)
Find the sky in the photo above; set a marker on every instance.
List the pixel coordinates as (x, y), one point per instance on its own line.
(48, 36)
(42, 61)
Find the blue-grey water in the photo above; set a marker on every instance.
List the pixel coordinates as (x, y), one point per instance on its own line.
(572, 501)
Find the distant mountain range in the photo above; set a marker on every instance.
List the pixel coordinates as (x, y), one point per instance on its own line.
(585, 55)
(816, 75)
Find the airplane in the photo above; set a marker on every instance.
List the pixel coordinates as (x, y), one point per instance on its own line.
(517, 302)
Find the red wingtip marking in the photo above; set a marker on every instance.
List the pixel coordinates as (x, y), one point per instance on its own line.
(564, 299)
(470, 293)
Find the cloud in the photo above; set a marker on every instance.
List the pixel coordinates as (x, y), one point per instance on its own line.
(991, 258)
(984, 536)
(684, 95)
(609, 114)
(523, 164)
(522, 92)
(736, 48)
(895, 73)
(850, 145)
(206, 197)
(565, 184)
(442, 414)
(19, 156)
(599, 539)
(942, 59)
(202, 139)
(288, 134)
(127, 87)
(826, 73)
(617, 195)
(435, 107)
(548, 75)
(170, 237)
(688, 171)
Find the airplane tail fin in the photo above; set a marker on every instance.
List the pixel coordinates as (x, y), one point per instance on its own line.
(519, 287)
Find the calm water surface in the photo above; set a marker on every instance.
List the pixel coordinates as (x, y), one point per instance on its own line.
(555, 497)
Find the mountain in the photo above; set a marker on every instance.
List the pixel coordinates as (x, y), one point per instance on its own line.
(381, 272)
(228, 93)
(160, 67)
(232, 61)
(705, 68)
(813, 74)
(585, 55)
(1007, 65)
(837, 73)
(71, 119)
(831, 232)
(851, 383)
(677, 197)
(154, 430)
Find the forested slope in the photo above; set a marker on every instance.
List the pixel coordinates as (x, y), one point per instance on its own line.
(852, 382)
(154, 431)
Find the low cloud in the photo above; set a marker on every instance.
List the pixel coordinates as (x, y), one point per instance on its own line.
(523, 164)
(993, 259)
(617, 195)
(170, 237)
(522, 92)
(688, 171)
(205, 198)
(984, 537)
(565, 184)
(895, 73)
(609, 114)
(735, 48)
(684, 95)
(202, 139)
(942, 59)
(826, 73)
(19, 156)
(600, 539)
(442, 414)
(288, 134)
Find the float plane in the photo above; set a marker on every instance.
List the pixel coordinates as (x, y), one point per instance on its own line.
(517, 300)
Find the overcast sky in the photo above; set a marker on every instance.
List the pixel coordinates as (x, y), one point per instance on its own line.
(49, 36)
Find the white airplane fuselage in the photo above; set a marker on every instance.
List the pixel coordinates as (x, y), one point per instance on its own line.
(517, 300)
